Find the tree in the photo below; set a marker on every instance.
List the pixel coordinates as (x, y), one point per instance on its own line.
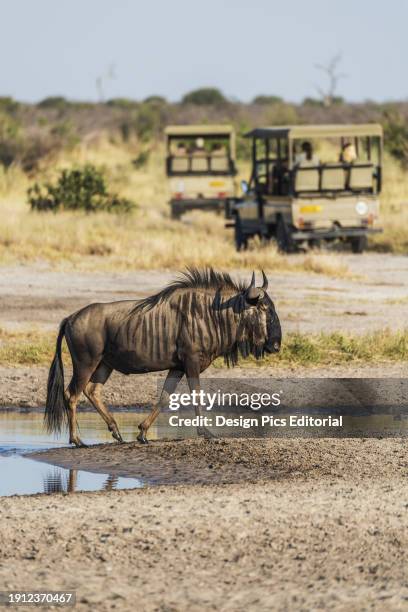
(155, 100)
(263, 99)
(109, 75)
(204, 96)
(331, 71)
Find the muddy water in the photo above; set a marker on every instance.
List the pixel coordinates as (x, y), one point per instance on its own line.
(22, 432)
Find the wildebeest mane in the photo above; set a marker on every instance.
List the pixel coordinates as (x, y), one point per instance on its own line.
(192, 278)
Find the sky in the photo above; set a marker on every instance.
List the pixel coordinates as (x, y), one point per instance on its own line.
(137, 48)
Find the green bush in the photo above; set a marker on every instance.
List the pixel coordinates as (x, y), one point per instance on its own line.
(8, 104)
(58, 102)
(79, 189)
(149, 121)
(262, 99)
(155, 100)
(396, 136)
(124, 103)
(141, 160)
(282, 114)
(204, 96)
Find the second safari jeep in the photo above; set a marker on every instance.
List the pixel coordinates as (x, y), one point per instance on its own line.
(200, 167)
(298, 198)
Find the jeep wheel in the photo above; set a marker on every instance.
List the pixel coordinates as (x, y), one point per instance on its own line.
(358, 244)
(284, 237)
(175, 212)
(241, 241)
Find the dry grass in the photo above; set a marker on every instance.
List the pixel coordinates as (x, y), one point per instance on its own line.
(148, 238)
(394, 210)
(34, 347)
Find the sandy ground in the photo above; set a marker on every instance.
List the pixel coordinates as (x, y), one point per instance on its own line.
(37, 296)
(376, 297)
(263, 524)
(26, 386)
(307, 527)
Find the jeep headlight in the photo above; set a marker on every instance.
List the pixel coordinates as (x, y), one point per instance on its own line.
(361, 207)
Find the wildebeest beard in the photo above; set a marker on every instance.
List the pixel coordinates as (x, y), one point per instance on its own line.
(250, 337)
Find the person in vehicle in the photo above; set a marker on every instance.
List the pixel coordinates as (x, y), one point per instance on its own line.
(348, 153)
(218, 150)
(306, 156)
(199, 147)
(181, 150)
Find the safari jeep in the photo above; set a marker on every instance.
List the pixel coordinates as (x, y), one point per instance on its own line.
(311, 183)
(200, 166)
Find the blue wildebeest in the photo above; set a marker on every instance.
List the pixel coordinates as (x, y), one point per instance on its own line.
(183, 328)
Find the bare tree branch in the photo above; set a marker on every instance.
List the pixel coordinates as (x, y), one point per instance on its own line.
(333, 75)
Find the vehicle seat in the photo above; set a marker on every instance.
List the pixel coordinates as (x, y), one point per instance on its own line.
(179, 164)
(306, 180)
(361, 176)
(333, 178)
(199, 164)
(219, 164)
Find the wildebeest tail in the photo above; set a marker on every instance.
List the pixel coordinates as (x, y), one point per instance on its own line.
(56, 408)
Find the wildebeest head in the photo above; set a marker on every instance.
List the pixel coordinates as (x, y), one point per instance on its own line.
(262, 321)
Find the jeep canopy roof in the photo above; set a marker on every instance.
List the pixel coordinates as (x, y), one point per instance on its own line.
(199, 130)
(293, 132)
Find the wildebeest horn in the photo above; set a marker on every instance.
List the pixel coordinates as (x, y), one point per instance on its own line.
(253, 293)
(265, 281)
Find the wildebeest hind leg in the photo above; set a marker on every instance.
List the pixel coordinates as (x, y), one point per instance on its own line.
(80, 378)
(93, 392)
(72, 398)
(172, 379)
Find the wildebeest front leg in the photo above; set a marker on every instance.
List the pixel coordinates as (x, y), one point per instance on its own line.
(93, 393)
(193, 378)
(170, 384)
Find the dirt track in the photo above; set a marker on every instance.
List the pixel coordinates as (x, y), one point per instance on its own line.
(319, 532)
(376, 297)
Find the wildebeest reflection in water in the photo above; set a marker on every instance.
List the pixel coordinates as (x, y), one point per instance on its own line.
(183, 328)
(58, 482)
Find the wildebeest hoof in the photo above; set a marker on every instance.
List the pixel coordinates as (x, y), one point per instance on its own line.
(142, 438)
(117, 436)
(78, 443)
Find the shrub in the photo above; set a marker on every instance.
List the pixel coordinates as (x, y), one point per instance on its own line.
(79, 189)
(9, 142)
(149, 121)
(141, 160)
(155, 100)
(58, 102)
(8, 104)
(282, 114)
(125, 103)
(396, 136)
(312, 102)
(267, 100)
(204, 96)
